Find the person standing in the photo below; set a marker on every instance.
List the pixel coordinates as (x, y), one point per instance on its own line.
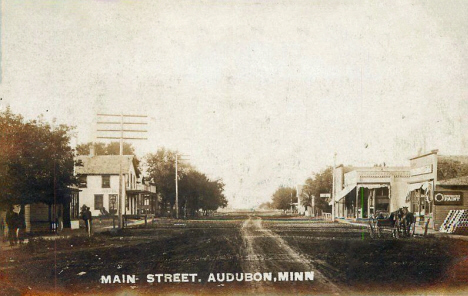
(12, 219)
(21, 232)
(89, 218)
(84, 216)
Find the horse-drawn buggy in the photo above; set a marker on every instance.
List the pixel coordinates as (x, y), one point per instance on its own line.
(399, 223)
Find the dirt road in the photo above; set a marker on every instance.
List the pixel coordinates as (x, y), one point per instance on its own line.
(265, 251)
(343, 258)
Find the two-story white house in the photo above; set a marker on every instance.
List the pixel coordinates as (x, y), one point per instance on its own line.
(99, 181)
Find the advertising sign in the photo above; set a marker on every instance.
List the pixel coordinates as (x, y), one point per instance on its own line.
(445, 198)
(427, 169)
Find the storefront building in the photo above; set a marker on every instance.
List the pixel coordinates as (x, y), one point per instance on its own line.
(423, 177)
(444, 177)
(362, 192)
(451, 194)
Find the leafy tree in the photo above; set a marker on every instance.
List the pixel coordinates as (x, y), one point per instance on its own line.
(265, 206)
(212, 196)
(319, 183)
(161, 168)
(282, 198)
(36, 161)
(112, 148)
(307, 192)
(196, 191)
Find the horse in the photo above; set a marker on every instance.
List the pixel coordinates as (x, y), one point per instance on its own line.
(407, 218)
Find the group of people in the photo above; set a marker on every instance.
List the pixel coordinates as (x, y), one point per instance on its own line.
(16, 226)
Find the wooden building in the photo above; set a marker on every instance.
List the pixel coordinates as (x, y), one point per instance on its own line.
(100, 186)
(444, 176)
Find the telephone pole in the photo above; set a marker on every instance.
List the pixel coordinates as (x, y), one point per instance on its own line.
(291, 203)
(177, 183)
(333, 188)
(123, 127)
(176, 187)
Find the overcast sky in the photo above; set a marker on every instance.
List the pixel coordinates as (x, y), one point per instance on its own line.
(258, 93)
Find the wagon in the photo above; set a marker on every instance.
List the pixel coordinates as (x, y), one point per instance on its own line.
(382, 221)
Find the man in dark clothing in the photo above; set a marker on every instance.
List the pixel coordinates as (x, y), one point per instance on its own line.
(21, 229)
(84, 215)
(89, 217)
(12, 220)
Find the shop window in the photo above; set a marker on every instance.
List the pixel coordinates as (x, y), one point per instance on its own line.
(105, 181)
(98, 201)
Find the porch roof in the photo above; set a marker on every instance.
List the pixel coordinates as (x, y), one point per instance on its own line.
(459, 181)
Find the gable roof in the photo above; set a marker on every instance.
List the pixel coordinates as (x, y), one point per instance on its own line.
(103, 164)
(460, 181)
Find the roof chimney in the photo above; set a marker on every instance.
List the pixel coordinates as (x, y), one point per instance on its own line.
(91, 150)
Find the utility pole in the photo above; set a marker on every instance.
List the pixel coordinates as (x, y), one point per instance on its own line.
(291, 203)
(176, 187)
(333, 188)
(177, 184)
(121, 130)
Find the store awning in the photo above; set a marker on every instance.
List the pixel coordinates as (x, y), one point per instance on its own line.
(421, 185)
(349, 188)
(344, 192)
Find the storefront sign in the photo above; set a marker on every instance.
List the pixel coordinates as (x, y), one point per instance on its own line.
(427, 169)
(445, 198)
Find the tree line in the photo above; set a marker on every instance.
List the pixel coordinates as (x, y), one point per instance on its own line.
(313, 186)
(197, 192)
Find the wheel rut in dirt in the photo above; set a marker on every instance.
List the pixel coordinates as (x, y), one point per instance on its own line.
(265, 251)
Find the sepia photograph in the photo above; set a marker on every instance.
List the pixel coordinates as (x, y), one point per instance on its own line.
(233, 147)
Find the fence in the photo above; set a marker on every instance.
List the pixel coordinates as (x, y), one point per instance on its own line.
(327, 216)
